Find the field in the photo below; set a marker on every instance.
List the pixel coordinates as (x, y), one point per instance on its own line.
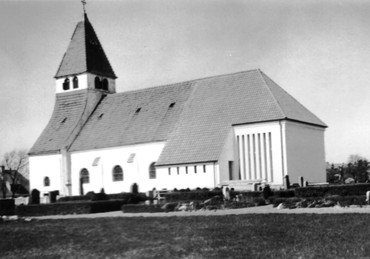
(233, 236)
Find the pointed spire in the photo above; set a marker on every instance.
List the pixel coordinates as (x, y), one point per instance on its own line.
(85, 54)
(83, 5)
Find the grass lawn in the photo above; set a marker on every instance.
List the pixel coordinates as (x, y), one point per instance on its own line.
(241, 236)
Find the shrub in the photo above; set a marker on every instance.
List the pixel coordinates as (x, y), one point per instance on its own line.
(342, 190)
(197, 195)
(7, 207)
(101, 196)
(259, 201)
(284, 193)
(127, 197)
(83, 207)
(141, 208)
(53, 209)
(106, 206)
(266, 192)
(74, 198)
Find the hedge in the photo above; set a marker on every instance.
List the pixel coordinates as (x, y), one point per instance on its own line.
(191, 196)
(63, 208)
(342, 190)
(128, 197)
(7, 207)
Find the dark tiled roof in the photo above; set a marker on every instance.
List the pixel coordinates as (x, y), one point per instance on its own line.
(70, 112)
(194, 127)
(85, 54)
(219, 102)
(134, 117)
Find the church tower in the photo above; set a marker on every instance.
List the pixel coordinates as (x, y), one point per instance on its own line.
(84, 78)
(85, 65)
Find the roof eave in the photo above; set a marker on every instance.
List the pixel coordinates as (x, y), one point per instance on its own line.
(282, 119)
(185, 163)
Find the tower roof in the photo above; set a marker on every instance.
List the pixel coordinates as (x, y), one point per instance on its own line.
(85, 54)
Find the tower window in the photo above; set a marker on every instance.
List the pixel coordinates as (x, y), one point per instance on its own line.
(75, 82)
(117, 173)
(97, 83)
(66, 84)
(152, 171)
(104, 84)
(46, 181)
(171, 105)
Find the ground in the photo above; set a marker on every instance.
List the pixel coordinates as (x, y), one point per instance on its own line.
(240, 236)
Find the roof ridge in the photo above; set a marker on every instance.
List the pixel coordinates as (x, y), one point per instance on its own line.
(189, 81)
(85, 35)
(270, 92)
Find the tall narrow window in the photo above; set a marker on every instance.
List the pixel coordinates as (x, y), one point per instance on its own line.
(169, 171)
(152, 172)
(195, 169)
(178, 170)
(204, 168)
(104, 84)
(259, 155)
(66, 84)
(75, 82)
(84, 176)
(186, 169)
(117, 174)
(46, 181)
(230, 170)
(97, 83)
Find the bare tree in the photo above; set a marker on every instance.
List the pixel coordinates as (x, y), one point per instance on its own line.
(354, 158)
(14, 164)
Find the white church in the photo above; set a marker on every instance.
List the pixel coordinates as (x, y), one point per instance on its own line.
(236, 129)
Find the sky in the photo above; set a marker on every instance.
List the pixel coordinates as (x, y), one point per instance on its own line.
(318, 51)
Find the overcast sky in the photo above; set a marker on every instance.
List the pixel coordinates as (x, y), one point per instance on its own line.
(318, 51)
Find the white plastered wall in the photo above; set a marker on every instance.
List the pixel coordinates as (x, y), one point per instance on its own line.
(101, 175)
(229, 153)
(305, 152)
(45, 166)
(265, 159)
(179, 179)
(85, 81)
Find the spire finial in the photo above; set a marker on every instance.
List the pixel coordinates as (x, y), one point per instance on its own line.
(83, 5)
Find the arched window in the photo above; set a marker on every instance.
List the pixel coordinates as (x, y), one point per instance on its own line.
(97, 83)
(84, 176)
(104, 84)
(75, 82)
(152, 171)
(117, 174)
(46, 181)
(66, 84)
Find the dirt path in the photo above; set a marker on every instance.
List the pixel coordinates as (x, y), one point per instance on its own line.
(252, 210)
